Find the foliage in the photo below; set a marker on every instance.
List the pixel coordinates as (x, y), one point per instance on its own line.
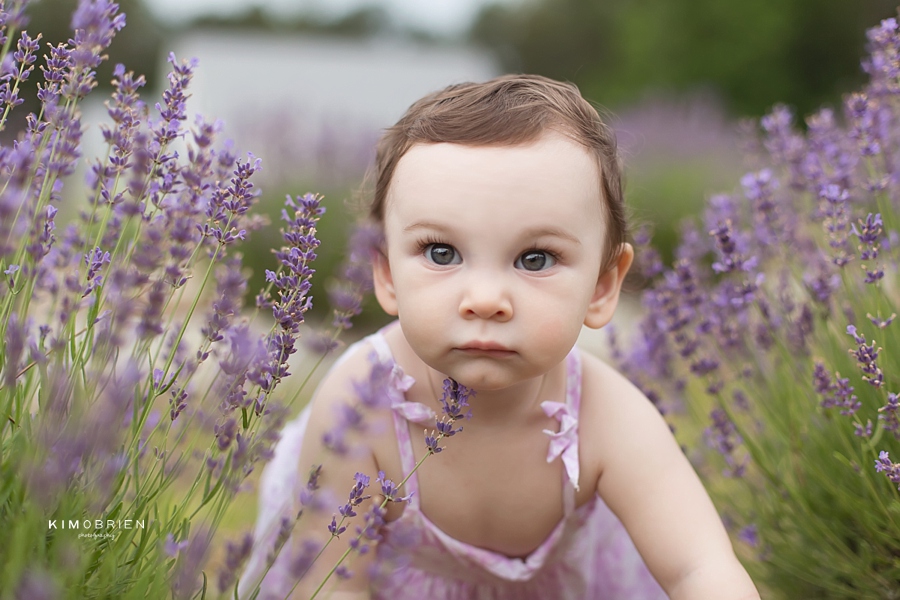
(803, 52)
(136, 394)
(776, 330)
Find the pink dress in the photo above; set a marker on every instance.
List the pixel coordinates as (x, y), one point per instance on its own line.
(589, 555)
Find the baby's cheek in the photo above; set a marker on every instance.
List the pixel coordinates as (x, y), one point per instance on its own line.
(557, 336)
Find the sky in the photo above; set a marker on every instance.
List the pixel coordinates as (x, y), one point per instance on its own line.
(438, 16)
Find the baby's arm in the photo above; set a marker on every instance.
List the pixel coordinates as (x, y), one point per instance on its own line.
(335, 481)
(648, 482)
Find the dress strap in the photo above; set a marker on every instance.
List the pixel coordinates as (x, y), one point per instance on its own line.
(380, 345)
(401, 412)
(564, 443)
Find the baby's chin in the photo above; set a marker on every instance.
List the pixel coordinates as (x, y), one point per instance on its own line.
(485, 379)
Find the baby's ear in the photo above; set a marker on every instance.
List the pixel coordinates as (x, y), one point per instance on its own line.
(606, 294)
(384, 283)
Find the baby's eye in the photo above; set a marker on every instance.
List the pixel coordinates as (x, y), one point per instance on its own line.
(442, 254)
(535, 260)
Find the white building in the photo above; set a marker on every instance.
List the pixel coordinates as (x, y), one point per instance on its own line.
(316, 103)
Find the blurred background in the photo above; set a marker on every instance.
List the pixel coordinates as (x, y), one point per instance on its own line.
(306, 85)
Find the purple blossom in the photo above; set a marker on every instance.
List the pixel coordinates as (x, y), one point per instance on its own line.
(95, 260)
(373, 521)
(225, 433)
(343, 572)
(16, 340)
(455, 399)
(749, 535)
(863, 431)
(866, 355)
(882, 323)
(334, 529)
(303, 560)
(18, 71)
(833, 207)
(356, 496)
(370, 393)
(346, 295)
(861, 111)
(722, 435)
(171, 547)
(389, 490)
(431, 443)
(890, 414)
(729, 257)
(891, 470)
(230, 289)
(187, 573)
(235, 557)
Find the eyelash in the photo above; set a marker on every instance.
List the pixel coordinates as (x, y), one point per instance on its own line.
(428, 241)
(431, 240)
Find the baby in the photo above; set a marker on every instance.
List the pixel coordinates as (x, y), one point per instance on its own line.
(504, 233)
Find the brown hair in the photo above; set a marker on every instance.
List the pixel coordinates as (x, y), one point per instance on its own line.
(507, 111)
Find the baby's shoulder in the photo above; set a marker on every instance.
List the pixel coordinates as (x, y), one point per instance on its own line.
(611, 406)
(605, 388)
(346, 381)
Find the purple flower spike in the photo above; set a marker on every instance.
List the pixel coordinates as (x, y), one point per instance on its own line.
(455, 399)
(723, 436)
(235, 557)
(890, 469)
(333, 528)
(882, 323)
(171, 547)
(861, 431)
(866, 355)
(431, 442)
(890, 414)
(356, 496)
(343, 572)
(749, 535)
(389, 490)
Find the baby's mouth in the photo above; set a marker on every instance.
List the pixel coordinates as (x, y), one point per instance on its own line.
(492, 349)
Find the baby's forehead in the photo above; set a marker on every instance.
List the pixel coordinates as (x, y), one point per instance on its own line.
(552, 155)
(552, 174)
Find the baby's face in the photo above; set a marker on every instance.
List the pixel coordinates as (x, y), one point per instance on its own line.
(493, 256)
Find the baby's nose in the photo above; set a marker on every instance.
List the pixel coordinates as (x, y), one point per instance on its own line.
(486, 298)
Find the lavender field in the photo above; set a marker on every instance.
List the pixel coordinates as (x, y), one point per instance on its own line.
(143, 380)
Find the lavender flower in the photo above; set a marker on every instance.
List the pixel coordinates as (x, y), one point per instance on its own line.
(862, 114)
(304, 559)
(863, 431)
(389, 490)
(882, 323)
(866, 355)
(729, 257)
(833, 205)
(432, 443)
(15, 73)
(370, 393)
(356, 496)
(16, 339)
(749, 535)
(370, 531)
(723, 436)
(455, 399)
(235, 557)
(190, 561)
(891, 470)
(890, 414)
(172, 548)
(95, 260)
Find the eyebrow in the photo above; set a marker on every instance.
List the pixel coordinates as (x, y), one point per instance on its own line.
(534, 232)
(425, 225)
